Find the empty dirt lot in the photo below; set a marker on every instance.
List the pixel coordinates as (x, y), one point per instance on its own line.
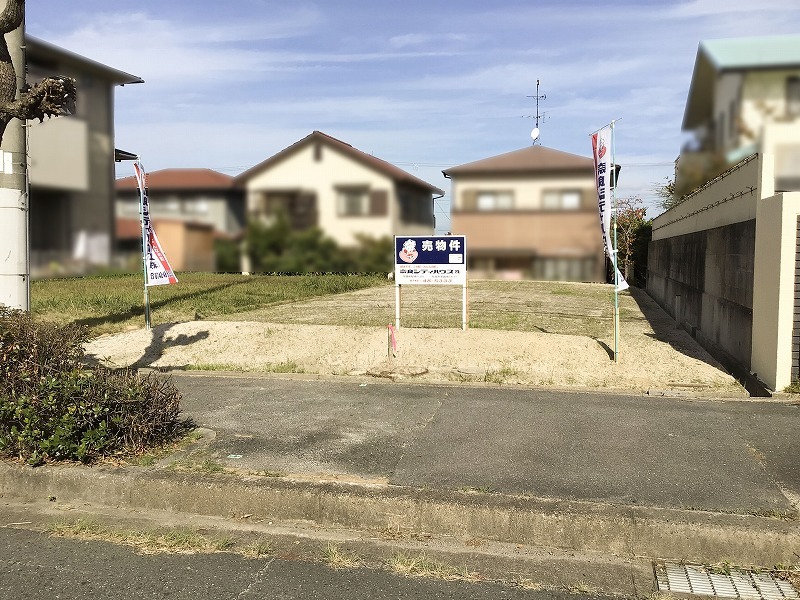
(520, 333)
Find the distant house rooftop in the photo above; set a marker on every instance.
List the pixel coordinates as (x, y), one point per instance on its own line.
(368, 160)
(180, 179)
(533, 159)
(730, 55)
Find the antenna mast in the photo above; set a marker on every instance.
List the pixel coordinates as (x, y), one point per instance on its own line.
(537, 97)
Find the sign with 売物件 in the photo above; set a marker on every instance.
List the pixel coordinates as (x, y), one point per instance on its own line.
(430, 260)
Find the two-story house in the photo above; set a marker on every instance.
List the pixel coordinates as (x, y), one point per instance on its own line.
(72, 163)
(323, 182)
(189, 208)
(191, 195)
(530, 213)
(744, 98)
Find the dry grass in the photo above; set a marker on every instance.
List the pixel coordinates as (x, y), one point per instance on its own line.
(544, 306)
(420, 565)
(175, 541)
(337, 558)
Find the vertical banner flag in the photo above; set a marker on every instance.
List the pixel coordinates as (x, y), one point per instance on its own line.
(157, 269)
(601, 151)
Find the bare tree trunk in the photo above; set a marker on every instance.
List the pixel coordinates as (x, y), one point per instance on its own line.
(50, 97)
(14, 213)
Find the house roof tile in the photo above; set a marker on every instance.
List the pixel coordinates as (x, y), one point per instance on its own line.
(368, 160)
(180, 179)
(533, 159)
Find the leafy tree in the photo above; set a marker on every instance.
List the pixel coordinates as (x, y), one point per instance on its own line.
(696, 171)
(374, 255)
(277, 248)
(633, 234)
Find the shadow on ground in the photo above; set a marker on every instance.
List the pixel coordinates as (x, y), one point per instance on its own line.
(137, 310)
(666, 330)
(160, 342)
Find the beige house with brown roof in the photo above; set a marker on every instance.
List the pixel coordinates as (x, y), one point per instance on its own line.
(529, 214)
(323, 182)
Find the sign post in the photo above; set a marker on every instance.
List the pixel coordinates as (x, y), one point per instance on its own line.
(430, 260)
(605, 179)
(156, 268)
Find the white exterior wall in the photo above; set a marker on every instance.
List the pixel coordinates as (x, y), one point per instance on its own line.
(763, 101)
(685, 218)
(528, 191)
(773, 289)
(727, 99)
(299, 171)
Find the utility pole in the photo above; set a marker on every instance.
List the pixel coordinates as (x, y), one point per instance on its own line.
(15, 267)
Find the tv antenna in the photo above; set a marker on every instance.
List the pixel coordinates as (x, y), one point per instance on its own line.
(537, 97)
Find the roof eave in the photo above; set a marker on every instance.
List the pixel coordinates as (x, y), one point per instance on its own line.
(51, 50)
(699, 101)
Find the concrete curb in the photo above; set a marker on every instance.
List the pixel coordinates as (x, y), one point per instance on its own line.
(623, 531)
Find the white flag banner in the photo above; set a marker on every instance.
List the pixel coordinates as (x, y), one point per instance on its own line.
(157, 269)
(601, 151)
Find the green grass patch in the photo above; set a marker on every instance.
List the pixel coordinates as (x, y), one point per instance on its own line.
(111, 303)
(794, 388)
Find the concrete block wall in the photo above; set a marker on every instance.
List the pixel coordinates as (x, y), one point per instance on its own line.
(704, 280)
(725, 263)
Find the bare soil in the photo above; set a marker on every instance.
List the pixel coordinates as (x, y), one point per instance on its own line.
(528, 333)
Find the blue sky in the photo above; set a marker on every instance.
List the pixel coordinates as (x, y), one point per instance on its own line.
(425, 85)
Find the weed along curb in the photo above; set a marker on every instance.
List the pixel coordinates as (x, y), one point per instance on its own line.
(625, 531)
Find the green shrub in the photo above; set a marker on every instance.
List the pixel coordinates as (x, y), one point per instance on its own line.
(228, 255)
(55, 407)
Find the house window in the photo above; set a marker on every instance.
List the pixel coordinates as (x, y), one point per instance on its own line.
(197, 206)
(561, 200)
(495, 201)
(352, 202)
(793, 97)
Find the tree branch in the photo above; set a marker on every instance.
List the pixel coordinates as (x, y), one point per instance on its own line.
(51, 97)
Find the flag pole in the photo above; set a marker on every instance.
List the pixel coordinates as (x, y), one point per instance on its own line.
(614, 250)
(141, 182)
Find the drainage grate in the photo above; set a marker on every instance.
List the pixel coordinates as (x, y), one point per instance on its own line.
(748, 585)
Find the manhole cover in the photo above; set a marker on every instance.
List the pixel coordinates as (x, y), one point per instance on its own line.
(700, 580)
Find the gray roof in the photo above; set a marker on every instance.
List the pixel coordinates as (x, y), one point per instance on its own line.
(45, 51)
(533, 159)
(734, 54)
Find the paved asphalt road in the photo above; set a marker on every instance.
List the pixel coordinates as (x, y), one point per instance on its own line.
(736, 456)
(35, 566)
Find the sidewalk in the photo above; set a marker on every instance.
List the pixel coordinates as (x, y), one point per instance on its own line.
(630, 476)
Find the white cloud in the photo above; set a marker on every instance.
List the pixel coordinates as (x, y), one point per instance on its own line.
(420, 39)
(715, 8)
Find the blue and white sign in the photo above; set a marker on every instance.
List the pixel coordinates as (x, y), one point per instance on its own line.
(430, 260)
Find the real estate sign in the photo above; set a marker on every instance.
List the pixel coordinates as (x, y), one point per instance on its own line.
(430, 260)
